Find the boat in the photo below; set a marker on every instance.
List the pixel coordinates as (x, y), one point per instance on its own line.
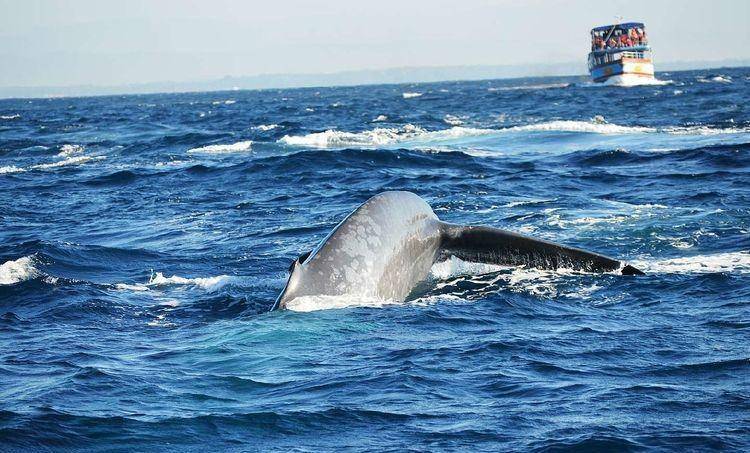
(620, 55)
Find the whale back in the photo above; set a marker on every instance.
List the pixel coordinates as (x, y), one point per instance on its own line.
(381, 250)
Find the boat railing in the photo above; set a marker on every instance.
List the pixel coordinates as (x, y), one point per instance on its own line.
(606, 58)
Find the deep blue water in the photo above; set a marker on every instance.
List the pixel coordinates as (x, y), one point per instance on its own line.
(138, 267)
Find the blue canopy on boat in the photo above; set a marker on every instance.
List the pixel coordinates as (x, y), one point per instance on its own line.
(624, 26)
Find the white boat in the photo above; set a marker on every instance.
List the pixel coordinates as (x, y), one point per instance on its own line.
(620, 55)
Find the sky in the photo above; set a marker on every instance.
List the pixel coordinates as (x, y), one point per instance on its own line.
(104, 42)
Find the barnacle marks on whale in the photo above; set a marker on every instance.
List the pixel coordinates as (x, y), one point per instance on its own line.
(387, 246)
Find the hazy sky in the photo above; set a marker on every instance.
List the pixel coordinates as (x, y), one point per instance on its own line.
(104, 42)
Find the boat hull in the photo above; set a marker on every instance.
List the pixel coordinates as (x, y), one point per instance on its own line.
(627, 71)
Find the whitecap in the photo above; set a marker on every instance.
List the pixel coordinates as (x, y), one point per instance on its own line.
(222, 148)
(69, 161)
(410, 95)
(594, 127)
(69, 150)
(19, 270)
(452, 120)
(379, 118)
(227, 102)
(10, 169)
(15, 116)
(129, 287)
(207, 283)
(265, 127)
(379, 136)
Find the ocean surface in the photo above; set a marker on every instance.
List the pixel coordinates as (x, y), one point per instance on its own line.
(144, 238)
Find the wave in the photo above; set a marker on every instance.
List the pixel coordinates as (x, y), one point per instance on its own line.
(410, 95)
(729, 262)
(410, 133)
(379, 136)
(222, 148)
(20, 270)
(227, 102)
(14, 116)
(379, 119)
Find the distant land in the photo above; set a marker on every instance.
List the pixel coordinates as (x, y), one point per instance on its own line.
(345, 78)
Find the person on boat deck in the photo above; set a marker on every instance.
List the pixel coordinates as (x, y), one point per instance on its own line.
(634, 37)
(611, 43)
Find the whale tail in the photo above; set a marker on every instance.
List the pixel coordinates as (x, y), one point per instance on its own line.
(495, 246)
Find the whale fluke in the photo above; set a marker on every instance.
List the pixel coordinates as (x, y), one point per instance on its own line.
(388, 245)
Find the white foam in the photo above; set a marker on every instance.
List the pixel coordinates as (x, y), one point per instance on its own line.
(69, 161)
(594, 127)
(718, 78)
(129, 287)
(69, 150)
(730, 262)
(222, 148)
(379, 119)
(19, 270)
(315, 303)
(704, 130)
(538, 282)
(10, 169)
(415, 135)
(452, 120)
(454, 267)
(10, 117)
(410, 95)
(227, 102)
(379, 136)
(207, 283)
(265, 127)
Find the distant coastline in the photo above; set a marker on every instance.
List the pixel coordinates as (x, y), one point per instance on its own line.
(345, 78)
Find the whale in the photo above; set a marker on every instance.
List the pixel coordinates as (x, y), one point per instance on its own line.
(387, 246)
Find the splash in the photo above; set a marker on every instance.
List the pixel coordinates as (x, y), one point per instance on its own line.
(411, 95)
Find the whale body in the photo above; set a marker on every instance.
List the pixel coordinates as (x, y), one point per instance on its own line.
(388, 245)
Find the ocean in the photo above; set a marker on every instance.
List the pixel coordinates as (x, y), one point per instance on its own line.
(144, 238)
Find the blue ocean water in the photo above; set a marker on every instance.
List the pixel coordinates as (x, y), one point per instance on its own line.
(143, 239)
